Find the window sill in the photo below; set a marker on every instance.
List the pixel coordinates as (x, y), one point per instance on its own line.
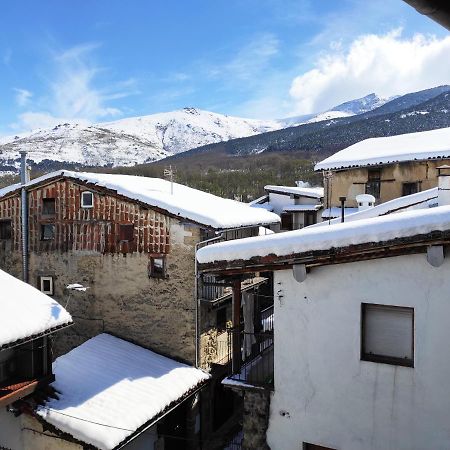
(388, 360)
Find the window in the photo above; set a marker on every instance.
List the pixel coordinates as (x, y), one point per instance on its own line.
(310, 218)
(48, 206)
(221, 319)
(286, 221)
(126, 232)
(5, 229)
(373, 182)
(387, 334)
(47, 232)
(410, 188)
(46, 285)
(87, 199)
(307, 446)
(157, 267)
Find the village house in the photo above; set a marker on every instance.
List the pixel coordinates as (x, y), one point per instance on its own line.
(28, 321)
(359, 333)
(298, 206)
(385, 167)
(119, 251)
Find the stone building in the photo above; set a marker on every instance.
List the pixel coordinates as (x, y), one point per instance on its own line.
(385, 167)
(359, 333)
(119, 252)
(28, 322)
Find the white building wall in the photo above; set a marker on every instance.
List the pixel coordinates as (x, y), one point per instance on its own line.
(10, 431)
(324, 394)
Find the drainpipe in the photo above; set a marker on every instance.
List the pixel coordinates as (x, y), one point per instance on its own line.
(197, 296)
(24, 213)
(342, 200)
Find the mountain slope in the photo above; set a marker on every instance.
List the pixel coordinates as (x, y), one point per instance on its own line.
(129, 141)
(330, 136)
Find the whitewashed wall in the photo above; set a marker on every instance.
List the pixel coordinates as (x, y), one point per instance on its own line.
(10, 431)
(324, 394)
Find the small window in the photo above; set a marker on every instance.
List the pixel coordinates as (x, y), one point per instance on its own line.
(286, 221)
(48, 206)
(46, 285)
(157, 267)
(387, 334)
(307, 446)
(310, 218)
(47, 232)
(5, 229)
(410, 188)
(126, 232)
(221, 319)
(87, 199)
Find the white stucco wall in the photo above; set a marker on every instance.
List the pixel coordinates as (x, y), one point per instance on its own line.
(10, 431)
(324, 394)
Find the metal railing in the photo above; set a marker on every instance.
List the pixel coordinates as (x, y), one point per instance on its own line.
(255, 354)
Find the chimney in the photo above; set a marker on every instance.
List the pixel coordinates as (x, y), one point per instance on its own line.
(443, 185)
(24, 174)
(365, 201)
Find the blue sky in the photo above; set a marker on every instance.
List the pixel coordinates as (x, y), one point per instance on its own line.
(104, 60)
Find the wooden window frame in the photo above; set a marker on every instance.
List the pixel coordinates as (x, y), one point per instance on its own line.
(126, 232)
(410, 183)
(5, 223)
(46, 201)
(83, 205)
(151, 266)
(42, 279)
(43, 225)
(382, 359)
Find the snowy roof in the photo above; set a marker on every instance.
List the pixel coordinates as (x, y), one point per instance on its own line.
(108, 388)
(424, 199)
(385, 150)
(335, 211)
(26, 312)
(311, 239)
(301, 208)
(186, 202)
(314, 192)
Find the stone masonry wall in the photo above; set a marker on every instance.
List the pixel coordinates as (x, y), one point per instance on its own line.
(256, 420)
(121, 298)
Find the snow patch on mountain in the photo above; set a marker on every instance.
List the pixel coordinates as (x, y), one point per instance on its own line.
(129, 141)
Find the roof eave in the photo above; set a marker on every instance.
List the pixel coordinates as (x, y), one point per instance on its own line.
(335, 255)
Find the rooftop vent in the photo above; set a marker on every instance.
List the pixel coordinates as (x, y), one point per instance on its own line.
(365, 201)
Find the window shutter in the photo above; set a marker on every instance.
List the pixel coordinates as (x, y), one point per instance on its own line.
(389, 331)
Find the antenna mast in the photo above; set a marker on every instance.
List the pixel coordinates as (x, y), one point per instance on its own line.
(169, 173)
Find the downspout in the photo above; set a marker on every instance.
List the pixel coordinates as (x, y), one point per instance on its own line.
(24, 213)
(197, 298)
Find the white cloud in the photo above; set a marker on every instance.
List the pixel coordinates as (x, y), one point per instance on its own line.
(386, 64)
(72, 94)
(23, 96)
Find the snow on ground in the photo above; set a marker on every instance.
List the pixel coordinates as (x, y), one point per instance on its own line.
(335, 211)
(188, 203)
(310, 239)
(384, 150)
(26, 312)
(108, 388)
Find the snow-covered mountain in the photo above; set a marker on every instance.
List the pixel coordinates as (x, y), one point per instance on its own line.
(350, 108)
(129, 141)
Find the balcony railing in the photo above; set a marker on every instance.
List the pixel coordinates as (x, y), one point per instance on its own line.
(252, 353)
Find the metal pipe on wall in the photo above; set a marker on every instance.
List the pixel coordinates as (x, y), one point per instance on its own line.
(24, 178)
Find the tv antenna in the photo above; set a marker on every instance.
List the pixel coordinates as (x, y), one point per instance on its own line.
(169, 173)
